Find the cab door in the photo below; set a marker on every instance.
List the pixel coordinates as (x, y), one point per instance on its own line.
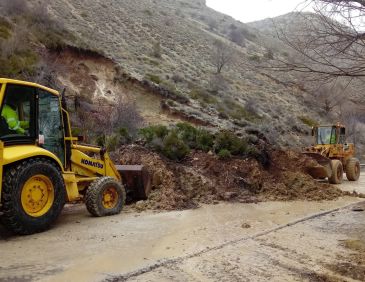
(51, 132)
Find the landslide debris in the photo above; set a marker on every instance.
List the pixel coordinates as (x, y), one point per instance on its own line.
(204, 178)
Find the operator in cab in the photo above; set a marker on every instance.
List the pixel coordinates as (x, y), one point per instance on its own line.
(11, 117)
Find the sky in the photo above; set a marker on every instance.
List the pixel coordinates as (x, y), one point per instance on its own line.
(253, 10)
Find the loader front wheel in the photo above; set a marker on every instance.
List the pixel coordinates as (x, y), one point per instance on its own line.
(105, 196)
(33, 196)
(337, 172)
(353, 169)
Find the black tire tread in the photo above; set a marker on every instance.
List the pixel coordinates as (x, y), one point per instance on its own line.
(93, 193)
(333, 179)
(351, 169)
(9, 212)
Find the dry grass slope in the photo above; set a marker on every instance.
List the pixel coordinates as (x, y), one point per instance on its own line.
(172, 42)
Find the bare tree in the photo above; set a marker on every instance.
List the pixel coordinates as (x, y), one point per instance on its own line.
(125, 115)
(221, 56)
(330, 96)
(330, 43)
(352, 119)
(236, 35)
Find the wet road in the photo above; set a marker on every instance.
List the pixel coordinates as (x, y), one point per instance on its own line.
(205, 243)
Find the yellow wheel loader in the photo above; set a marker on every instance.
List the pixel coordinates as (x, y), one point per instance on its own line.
(42, 166)
(332, 155)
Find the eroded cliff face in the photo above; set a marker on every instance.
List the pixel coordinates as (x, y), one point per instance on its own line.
(96, 81)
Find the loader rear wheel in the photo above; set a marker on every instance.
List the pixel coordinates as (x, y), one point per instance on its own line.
(105, 196)
(353, 169)
(33, 196)
(337, 172)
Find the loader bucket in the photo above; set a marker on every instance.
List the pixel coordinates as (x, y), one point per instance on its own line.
(137, 181)
(321, 168)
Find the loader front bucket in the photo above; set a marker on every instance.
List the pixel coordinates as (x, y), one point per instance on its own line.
(136, 180)
(321, 168)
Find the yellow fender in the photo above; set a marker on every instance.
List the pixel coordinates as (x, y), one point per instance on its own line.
(12, 154)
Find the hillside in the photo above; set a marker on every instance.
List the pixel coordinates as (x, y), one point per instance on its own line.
(341, 97)
(182, 33)
(162, 55)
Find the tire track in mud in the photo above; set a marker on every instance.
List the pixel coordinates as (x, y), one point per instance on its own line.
(172, 261)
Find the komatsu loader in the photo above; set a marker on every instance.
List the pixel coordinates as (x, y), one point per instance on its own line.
(42, 166)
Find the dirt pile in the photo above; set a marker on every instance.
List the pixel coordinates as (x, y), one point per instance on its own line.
(203, 178)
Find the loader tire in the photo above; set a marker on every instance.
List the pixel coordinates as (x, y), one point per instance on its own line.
(353, 169)
(105, 196)
(33, 196)
(337, 173)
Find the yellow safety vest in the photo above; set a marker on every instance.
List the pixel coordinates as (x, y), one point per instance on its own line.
(12, 119)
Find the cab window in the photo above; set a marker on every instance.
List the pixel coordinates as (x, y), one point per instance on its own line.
(18, 113)
(50, 124)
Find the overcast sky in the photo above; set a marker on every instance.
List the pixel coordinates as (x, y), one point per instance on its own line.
(248, 10)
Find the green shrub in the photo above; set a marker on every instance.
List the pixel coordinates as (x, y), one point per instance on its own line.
(204, 140)
(308, 121)
(236, 111)
(260, 155)
(202, 96)
(231, 142)
(176, 143)
(19, 62)
(160, 130)
(224, 154)
(5, 29)
(174, 148)
(255, 58)
(75, 131)
(52, 39)
(100, 140)
(187, 133)
(171, 103)
(124, 136)
(112, 142)
(154, 78)
(148, 12)
(195, 138)
(154, 131)
(171, 87)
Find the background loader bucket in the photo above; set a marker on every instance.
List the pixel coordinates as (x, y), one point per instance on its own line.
(136, 180)
(321, 168)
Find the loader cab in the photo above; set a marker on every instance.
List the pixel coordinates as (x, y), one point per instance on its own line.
(329, 135)
(31, 115)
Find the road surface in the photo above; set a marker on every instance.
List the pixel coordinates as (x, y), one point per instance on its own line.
(272, 241)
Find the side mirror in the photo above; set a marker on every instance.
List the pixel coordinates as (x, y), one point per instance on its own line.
(80, 138)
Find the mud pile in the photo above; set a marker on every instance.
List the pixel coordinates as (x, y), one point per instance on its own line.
(203, 178)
